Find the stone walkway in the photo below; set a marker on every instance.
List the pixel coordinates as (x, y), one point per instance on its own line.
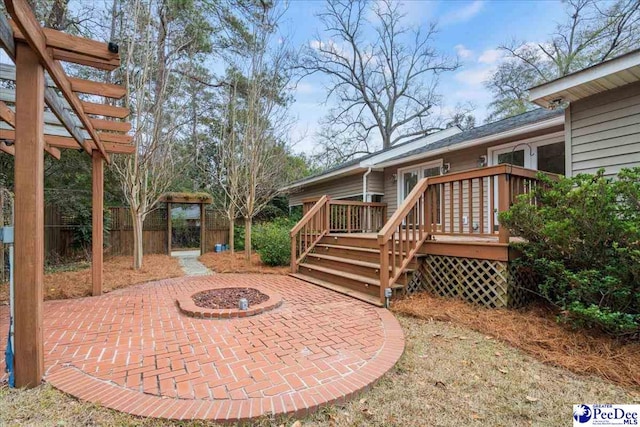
(190, 264)
(133, 350)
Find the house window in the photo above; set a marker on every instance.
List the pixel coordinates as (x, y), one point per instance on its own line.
(551, 158)
(515, 158)
(410, 177)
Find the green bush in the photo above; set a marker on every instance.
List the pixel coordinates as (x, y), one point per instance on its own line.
(582, 240)
(271, 240)
(238, 237)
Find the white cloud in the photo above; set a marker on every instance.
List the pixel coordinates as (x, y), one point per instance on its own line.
(490, 56)
(475, 76)
(463, 14)
(462, 51)
(304, 88)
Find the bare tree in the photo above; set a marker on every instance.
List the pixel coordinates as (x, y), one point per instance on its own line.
(384, 75)
(593, 32)
(154, 42)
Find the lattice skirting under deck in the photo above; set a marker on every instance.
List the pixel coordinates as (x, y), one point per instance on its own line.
(486, 282)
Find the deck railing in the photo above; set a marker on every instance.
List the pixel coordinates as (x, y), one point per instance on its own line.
(356, 217)
(325, 215)
(457, 204)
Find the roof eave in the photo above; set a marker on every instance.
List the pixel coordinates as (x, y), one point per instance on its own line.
(540, 94)
(550, 123)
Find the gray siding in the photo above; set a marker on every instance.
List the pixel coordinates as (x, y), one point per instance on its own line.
(605, 131)
(339, 188)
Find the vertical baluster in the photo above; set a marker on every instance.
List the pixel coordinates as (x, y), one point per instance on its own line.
(481, 205)
(460, 211)
(450, 206)
(492, 204)
(470, 202)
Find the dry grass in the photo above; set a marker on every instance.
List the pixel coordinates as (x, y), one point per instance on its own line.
(448, 376)
(225, 262)
(536, 331)
(118, 273)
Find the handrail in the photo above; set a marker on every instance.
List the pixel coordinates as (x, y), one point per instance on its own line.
(354, 203)
(306, 234)
(398, 216)
(307, 217)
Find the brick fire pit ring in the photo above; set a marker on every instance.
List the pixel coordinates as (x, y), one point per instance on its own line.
(188, 306)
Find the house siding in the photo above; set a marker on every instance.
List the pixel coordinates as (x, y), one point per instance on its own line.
(460, 160)
(340, 188)
(605, 131)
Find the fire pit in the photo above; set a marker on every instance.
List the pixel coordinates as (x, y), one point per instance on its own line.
(222, 303)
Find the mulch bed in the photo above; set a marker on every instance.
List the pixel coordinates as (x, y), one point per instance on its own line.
(118, 273)
(228, 297)
(536, 331)
(225, 262)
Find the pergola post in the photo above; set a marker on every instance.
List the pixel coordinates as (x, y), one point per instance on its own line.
(97, 222)
(29, 217)
(203, 229)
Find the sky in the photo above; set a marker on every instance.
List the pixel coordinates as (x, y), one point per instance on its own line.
(472, 30)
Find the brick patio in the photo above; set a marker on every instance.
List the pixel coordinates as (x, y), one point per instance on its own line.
(132, 350)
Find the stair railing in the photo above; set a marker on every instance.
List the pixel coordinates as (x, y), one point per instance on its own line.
(313, 226)
(404, 233)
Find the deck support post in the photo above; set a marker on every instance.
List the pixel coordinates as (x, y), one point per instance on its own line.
(504, 197)
(29, 218)
(384, 270)
(97, 222)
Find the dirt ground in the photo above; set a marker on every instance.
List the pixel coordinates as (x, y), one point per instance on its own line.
(449, 375)
(118, 273)
(536, 331)
(224, 262)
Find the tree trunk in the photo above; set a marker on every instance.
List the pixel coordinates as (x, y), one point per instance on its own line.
(137, 240)
(247, 239)
(232, 229)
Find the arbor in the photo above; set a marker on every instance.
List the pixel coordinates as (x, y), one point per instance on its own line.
(384, 74)
(592, 33)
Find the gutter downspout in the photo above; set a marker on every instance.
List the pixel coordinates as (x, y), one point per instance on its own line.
(364, 184)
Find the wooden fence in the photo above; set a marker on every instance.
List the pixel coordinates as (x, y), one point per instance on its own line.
(61, 229)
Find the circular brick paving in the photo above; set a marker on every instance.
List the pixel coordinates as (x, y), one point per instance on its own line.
(132, 350)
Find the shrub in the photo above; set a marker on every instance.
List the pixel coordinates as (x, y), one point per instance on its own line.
(582, 240)
(271, 240)
(238, 237)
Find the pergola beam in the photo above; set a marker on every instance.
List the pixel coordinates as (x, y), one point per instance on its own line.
(30, 28)
(9, 117)
(50, 95)
(70, 48)
(97, 88)
(56, 141)
(105, 110)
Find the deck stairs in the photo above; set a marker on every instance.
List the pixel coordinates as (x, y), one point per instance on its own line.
(349, 264)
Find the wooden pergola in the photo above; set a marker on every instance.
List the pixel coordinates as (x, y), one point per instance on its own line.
(28, 129)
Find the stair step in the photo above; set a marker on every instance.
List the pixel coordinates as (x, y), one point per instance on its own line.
(373, 265)
(340, 289)
(346, 275)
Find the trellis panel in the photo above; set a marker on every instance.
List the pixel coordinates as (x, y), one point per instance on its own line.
(485, 282)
